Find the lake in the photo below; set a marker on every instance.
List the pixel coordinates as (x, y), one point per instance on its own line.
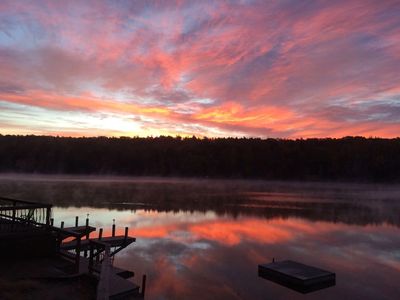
(203, 239)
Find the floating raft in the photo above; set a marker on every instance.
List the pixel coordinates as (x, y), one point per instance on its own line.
(297, 276)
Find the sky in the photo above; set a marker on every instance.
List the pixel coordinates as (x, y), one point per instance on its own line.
(280, 69)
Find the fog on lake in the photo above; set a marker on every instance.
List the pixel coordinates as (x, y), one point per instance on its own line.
(203, 239)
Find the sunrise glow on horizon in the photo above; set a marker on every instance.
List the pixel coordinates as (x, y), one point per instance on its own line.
(282, 69)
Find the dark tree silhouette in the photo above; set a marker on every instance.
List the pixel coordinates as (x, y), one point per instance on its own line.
(349, 158)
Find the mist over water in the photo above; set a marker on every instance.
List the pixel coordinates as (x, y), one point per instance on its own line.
(203, 239)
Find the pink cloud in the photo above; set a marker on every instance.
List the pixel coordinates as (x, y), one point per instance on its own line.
(259, 68)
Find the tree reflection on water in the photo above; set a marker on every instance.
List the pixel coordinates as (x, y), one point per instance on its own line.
(204, 239)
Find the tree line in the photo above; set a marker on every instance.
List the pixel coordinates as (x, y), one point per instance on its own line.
(344, 159)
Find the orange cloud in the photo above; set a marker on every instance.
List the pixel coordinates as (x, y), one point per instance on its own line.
(257, 69)
(232, 233)
(86, 102)
(234, 113)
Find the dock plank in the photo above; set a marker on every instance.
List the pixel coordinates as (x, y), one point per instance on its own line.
(81, 229)
(113, 241)
(126, 274)
(120, 287)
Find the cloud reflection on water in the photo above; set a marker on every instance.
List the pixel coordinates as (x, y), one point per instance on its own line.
(200, 256)
(204, 240)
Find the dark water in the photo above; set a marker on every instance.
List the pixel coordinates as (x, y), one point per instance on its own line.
(204, 239)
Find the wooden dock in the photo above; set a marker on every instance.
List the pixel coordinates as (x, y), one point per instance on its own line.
(113, 241)
(82, 230)
(95, 256)
(111, 284)
(24, 225)
(297, 276)
(121, 288)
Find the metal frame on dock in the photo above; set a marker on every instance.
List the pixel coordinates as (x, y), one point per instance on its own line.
(15, 213)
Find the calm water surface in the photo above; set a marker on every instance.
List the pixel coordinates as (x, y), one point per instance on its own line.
(203, 239)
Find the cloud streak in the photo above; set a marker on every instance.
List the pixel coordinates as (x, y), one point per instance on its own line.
(241, 68)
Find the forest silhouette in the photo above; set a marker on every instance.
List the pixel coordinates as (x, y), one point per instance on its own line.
(344, 159)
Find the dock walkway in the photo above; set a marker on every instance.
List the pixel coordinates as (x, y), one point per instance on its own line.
(113, 241)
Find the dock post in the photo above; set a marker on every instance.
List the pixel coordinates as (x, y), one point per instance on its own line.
(59, 241)
(87, 226)
(78, 254)
(76, 221)
(62, 224)
(13, 214)
(113, 228)
(143, 285)
(48, 213)
(51, 221)
(100, 236)
(126, 233)
(91, 259)
(87, 232)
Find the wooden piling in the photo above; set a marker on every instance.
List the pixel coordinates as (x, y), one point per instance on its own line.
(113, 230)
(87, 226)
(76, 221)
(87, 234)
(143, 285)
(91, 258)
(62, 224)
(100, 233)
(48, 213)
(126, 232)
(13, 214)
(78, 253)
